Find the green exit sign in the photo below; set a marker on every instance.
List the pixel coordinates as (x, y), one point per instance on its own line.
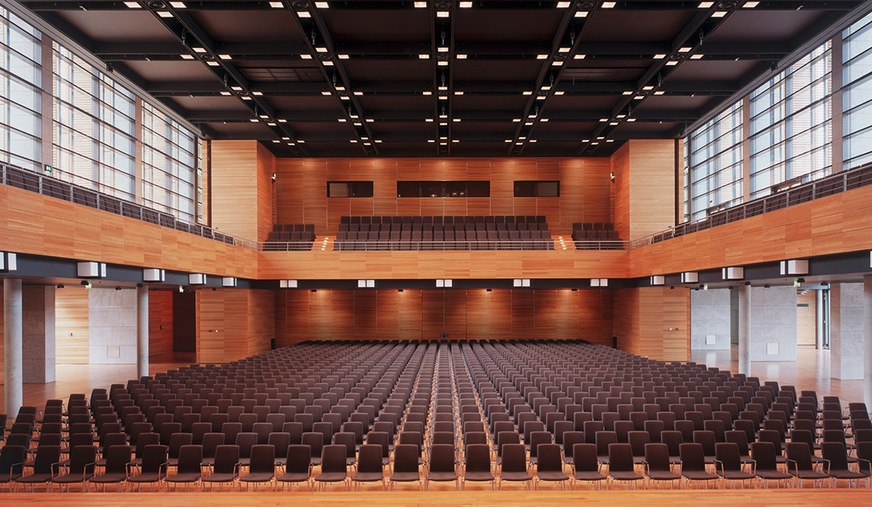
(47, 168)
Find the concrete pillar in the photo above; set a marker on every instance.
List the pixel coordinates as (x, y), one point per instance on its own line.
(142, 332)
(846, 331)
(744, 329)
(12, 340)
(867, 339)
(772, 323)
(710, 319)
(38, 345)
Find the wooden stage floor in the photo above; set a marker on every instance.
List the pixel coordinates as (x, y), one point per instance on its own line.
(691, 498)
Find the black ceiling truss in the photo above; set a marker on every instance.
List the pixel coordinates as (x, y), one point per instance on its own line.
(201, 47)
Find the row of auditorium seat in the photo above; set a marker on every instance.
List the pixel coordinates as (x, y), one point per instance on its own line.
(422, 403)
(596, 236)
(444, 233)
(290, 237)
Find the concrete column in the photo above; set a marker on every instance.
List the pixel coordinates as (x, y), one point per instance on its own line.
(38, 345)
(772, 323)
(846, 331)
(710, 319)
(12, 340)
(867, 339)
(142, 332)
(744, 329)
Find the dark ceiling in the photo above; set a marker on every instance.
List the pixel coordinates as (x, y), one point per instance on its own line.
(441, 78)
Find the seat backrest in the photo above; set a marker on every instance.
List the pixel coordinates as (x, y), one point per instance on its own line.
(549, 458)
(442, 458)
(800, 454)
(620, 457)
(514, 458)
(728, 454)
(692, 457)
(263, 458)
(657, 457)
(405, 458)
(477, 458)
(117, 458)
(369, 459)
(836, 453)
(190, 458)
(226, 459)
(299, 458)
(80, 457)
(763, 454)
(584, 456)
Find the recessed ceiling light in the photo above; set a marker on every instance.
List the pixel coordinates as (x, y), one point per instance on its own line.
(442, 49)
(358, 93)
(187, 57)
(601, 138)
(750, 5)
(442, 14)
(719, 14)
(264, 116)
(326, 93)
(442, 63)
(429, 120)
(508, 140)
(609, 5)
(461, 56)
(659, 56)
(579, 56)
(378, 141)
(557, 63)
(212, 63)
(344, 97)
(638, 97)
(276, 141)
(236, 88)
(659, 92)
(165, 14)
(528, 92)
(253, 120)
(370, 120)
(613, 123)
(443, 88)
(585, 140)
(533, 140)
(543, 120)
(352, 140)
(581, 14)
(133, 5)
(423, 56)
(528, 123)
(542, 56)
(458, 92)
(516, 120)
(321, 49)
(604, 119)
(705, 5)
(559, 92)
(282, 120)
(648, 87)
(225, 57)
(271, 124)
(563, 5)
(225, 92)
(631, 119)
(671, 63)
(620, 116)
(420, 5)
(327, 63)
(455, 140)
(357, 124)
(563, 49)
(431, 140)
(178, 5)
(342, 56)
(541, 97)
(594, 144)
(427, 93)
(322, 5)
(684, 49)
(443, 97)
(627, 93)
(303, 14)
(465, 5)
(306, 56)
(199, 50)
(276, 5)
(341, 120)
(696, 56)
(456, 120)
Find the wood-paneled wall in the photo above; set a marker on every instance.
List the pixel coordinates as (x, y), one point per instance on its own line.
(35, 224)
(653, 322)
(301, 189)
(431, 313)
(241, 193)
(232, 324)
(833, 224)
(160, 323)
(644, 187)
(2, 340)
(71, 326)
(444, 264)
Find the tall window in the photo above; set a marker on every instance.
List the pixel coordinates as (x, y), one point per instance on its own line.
(715, 163)
(95, 127)
(168, 165)
(791, 124)
(20, 92)
(857, 93)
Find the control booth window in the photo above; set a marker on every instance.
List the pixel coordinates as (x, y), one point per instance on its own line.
(537, 189)
(443, 189)
(349, 189)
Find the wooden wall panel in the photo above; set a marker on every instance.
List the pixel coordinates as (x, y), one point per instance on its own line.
(806, 320)
(266, 166)
(444, 264)
(234, 187)
(160, 322)
(232, 324)
(71, 326)
(644, 187)
(833, 224)
(472, 314)
(301, 189)
(653, 322)
(2, 339)
(41, 225)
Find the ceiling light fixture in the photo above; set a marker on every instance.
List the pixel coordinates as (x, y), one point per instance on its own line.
(305, 56)
(579, 56)
(326, 93)
(342, 56)
(705, 5)
(303, 14)
(187, 57)
(563, 5)
(322, 5)
(541, 56)
(684, 49)
(696, 56)
(133, 5)
(165, 14)
(198, 49)
(427, 93)
(420, 5)
(276, 5)
(423, 56)
(750, 5)
(461, 56)
(212, 63)
(465, 5)
(581, 14)
(442, 14)
(178, 5)
(719, 14)
(609, 5)
(659, 56)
